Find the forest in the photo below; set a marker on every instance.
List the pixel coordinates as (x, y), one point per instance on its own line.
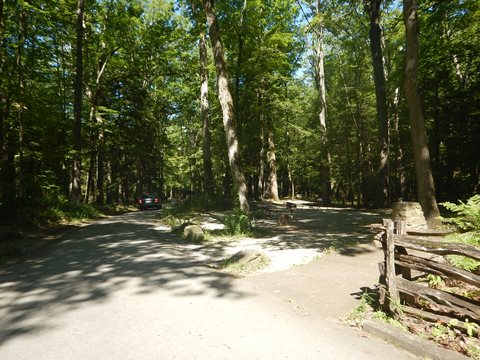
(351, 102)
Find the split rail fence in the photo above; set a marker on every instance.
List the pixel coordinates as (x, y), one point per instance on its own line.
(416, 251)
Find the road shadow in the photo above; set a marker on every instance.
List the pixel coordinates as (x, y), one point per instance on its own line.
(97, 261)
(324, 228)
(319, 229)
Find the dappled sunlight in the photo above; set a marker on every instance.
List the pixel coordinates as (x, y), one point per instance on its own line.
(324, 228)
(310, 233)
(97, 262)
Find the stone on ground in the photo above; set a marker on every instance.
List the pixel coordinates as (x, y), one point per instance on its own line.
(194, 233)
(411, 212)
(245, 256)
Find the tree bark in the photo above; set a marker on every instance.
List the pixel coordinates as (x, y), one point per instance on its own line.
(97, 134)
(208, 182)
(7, 150)
(261, 163)
(372, 7)
(238, 67)
(272, 164)
(20, 112)
(204, 104)
(226, 102)
(400, 168)
(423, 170)
(3, 99)
(75, 190)
(320, 69)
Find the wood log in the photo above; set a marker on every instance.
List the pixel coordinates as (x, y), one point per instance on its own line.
(428, 232)
(444, 301)
(437, 247)
(435, 318)
(416, 232)
(436, 268)
(399, 268)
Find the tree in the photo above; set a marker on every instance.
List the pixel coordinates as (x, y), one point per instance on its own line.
(320, 75)
(425, 184)
(75, 190)
(124, 104)
(272, 164)
(207, 156)
(204, 102)
(226, 102)
(372, 8)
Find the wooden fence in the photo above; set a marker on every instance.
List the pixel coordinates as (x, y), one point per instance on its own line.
(414, 253)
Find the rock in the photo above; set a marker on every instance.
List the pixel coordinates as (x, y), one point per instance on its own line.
(194, 233)
(181, 228)
(411, 212)
(245, 256)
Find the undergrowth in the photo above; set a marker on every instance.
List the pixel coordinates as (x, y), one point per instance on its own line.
(237, 223)
(466, 221)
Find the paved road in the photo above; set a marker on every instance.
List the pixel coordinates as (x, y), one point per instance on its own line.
(122, 289)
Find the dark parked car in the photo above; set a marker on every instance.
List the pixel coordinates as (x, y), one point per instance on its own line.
(149, 201)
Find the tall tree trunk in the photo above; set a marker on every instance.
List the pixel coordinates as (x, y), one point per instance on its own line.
(7, 149)
(90, 181)
(238, 66)
(207, 155)
(272, 164)
(401, 174)
(372, 7)
(20, 112)
(361, 162)
(208, 182)
(423, 171)
(3, 97)
(97, 148)
(291, 183)
(261, 163)
(100, 198)
(75, 190)
(320, 69)
(226, 102)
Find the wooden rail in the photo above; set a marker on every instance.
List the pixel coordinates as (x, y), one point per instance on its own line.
(396, 283)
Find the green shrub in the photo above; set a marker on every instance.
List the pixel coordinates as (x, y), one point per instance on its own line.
(467, 214)
(237, 223)
(205, 202)
(171, 221)
(55, 209)
(467, 222)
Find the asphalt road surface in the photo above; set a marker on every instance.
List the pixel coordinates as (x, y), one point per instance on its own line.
(124, 289)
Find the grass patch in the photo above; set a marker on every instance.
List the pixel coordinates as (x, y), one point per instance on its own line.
(220, 235)
(363, 310)
(380, 315)
(171, 221)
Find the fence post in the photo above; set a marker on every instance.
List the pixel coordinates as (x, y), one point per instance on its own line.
(400, 227)
(390, 275)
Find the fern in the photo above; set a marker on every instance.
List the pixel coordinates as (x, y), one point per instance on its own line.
(237, 223)
(467, 214)
(467, 221)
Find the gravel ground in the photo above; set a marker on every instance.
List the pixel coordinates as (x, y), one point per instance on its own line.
(311, 233)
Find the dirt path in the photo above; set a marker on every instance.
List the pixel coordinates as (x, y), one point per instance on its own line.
(312, 233)
(334, 246)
